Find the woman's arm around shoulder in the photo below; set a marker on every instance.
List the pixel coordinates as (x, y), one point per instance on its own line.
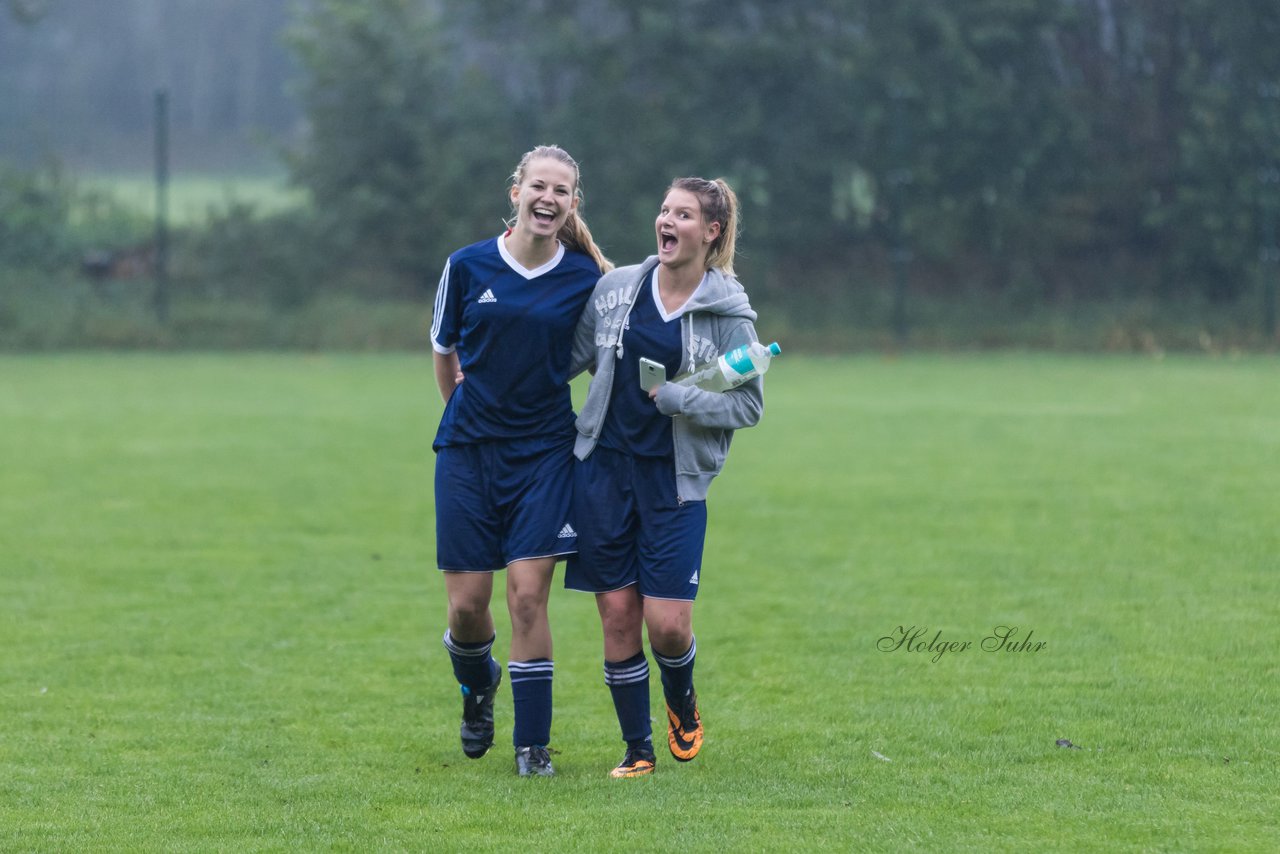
(584, 341)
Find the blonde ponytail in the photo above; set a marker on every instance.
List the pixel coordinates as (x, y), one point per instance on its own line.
(575, 235)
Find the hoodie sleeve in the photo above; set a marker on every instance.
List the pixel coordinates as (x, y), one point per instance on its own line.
(729, 410)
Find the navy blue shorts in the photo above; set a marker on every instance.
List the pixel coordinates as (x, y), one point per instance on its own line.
(499, 502)
(632, 529)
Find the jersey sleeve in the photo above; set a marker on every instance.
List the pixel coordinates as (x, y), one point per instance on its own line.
(446, 316)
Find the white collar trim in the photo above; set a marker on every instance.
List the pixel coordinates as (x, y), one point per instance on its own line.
(519, 268)
(657, 299)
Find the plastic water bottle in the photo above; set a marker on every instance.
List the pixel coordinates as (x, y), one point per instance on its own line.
(734, 368)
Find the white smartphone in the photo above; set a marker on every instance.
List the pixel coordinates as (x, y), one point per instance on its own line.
(652, 374)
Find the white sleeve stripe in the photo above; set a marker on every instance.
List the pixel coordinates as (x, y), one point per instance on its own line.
(437, 312)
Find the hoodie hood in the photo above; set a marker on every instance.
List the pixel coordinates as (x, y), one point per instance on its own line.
(718, 293)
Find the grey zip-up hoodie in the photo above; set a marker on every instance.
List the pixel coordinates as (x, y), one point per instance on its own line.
(717, 318)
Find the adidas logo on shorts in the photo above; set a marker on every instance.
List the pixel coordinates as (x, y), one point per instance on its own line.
(566, 532)
(487, 296)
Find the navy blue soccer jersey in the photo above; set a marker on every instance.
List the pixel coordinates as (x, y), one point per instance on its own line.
(512, 329)
(633, 424)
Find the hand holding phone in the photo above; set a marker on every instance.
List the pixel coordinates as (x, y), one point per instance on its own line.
(652, 374)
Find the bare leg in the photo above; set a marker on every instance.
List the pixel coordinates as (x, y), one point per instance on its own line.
(670, 625)
(528, 589)
(469, 593)
(621, 619)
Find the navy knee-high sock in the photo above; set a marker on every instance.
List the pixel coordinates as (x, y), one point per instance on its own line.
(677, 674)
(473, 664)
(531, 694)
(628, 682)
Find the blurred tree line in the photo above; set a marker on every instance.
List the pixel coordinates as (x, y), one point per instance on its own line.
(1088, 147)
(1020, 153)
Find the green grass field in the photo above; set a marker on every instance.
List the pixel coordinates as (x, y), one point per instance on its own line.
(220, 617)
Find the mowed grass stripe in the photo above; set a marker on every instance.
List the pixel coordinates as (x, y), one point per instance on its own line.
(221, 619)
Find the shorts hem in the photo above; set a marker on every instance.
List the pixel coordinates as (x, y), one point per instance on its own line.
(471, 570)
(671, 598)
(556, 555)
(567, 586)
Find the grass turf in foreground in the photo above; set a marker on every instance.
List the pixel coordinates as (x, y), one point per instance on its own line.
(221, 622)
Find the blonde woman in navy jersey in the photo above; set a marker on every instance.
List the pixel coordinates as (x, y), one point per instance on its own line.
(647, 458)
(502, 332)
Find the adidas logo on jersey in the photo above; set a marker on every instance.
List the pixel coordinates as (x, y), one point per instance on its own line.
(487, 296)
(566, 532)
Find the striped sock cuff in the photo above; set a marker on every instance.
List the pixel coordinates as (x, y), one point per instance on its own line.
(538, 669)
(468, 650)
(679, 661)
(629, 672)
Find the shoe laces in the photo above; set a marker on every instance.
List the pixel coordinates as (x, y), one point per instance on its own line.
(636, 755)
(688, 712)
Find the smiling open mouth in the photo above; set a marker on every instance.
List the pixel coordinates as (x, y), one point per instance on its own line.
(543, 215)
(667, 241)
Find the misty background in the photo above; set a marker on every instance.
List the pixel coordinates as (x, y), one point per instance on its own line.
(77, 78)
(1065, 174)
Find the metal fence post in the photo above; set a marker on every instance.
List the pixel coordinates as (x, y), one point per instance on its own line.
(898, 179)
(1268, 198)
(160, 297)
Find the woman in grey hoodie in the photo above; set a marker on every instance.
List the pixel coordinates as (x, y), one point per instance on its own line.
(647, 457)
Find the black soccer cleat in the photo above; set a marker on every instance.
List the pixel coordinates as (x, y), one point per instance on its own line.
(477, 719)
(638, 762)
(534, 761)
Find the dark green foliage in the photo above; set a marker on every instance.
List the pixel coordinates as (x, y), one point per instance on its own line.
(1020, 156)
(283, 259)
(1008, 141)
(48, 223)
(34, 213)
(408, 148)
